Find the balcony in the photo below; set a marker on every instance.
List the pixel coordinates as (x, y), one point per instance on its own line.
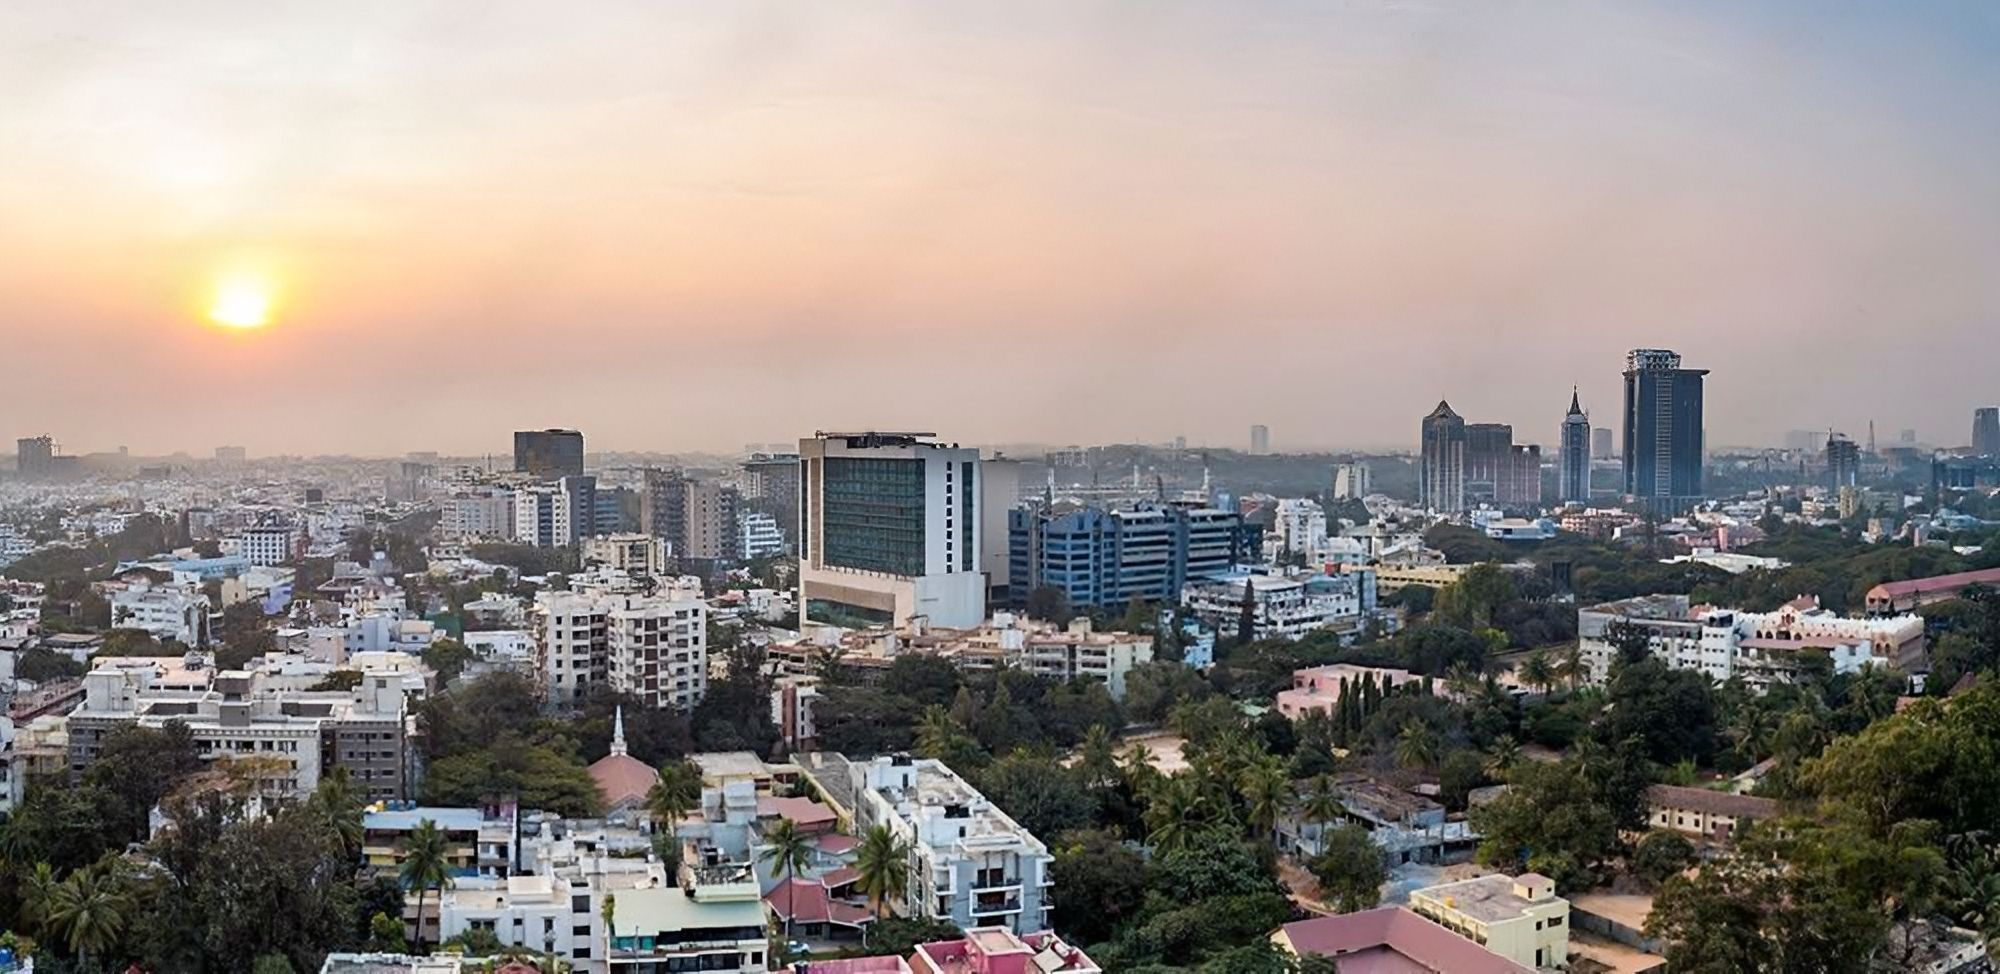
(995, 882)
(981, 908)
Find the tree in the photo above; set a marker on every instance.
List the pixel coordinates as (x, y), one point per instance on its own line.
(1246, 617)
(1045, 797)
(1632, 642)
(609, 911)
(676, 793)
(1660, 855)
(1671, 712)
(1051, 603)
(90, 910)
(1321, 805)
(138, 766)
(787, 850)
(1351, 869)
(882, 867)
(1536, 672)
(385, 934)
(1097, 758)
(448, 658)
(1564, 819)
(1417, 746)
(1267, 793)
(425, 867)
(337, 808)
(1103, 882)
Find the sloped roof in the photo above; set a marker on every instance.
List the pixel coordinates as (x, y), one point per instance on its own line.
(1394, 934)
(622, 779)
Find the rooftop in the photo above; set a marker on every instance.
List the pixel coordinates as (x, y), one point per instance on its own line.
(1489, 899)
(1712, 802)
(1393, 940)
(1915, 586)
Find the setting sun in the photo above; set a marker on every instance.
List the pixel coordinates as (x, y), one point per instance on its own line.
(241, 304)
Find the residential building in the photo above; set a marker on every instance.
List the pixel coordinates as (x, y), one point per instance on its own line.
(1260, 440)
(1520, 918)
(1664, 436)
(713, 919)
(999, 494)
(1909, 595)
(1390, 940)
(655, 648)
(634, 554)
(1350, 481)
(663, 507)
(1103, 557)
(1441, 470)
(233, 715)
(267, 545)
(997, 950)
(1284, 607)
(1319, 689)
(555, 515)
(1760, 648)
(1573, 466)
(479, 513)
(549, 454)
(890, 529)
(1298, 529)
(792, 701)
(1705, 814)
(35, 457)
(970, 864)
(339, 963)
(712, 524)
(171, 613)
(1078, 653)
(773, 480)
(759, 536)
(1986, 431)
(477, 841)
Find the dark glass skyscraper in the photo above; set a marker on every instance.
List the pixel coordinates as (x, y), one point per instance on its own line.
(1986, 431)
(1441, 478)
(1664, 436)
(1573, 463)
(549, 454)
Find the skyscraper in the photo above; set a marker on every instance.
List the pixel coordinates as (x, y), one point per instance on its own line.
(1843, 461)
(890, 528)
(1573, 464)
(1441, 477)
(1986, 431)
(1487, 446)
(1602, 446)
(1260, 440)
(549, 454)
(1664, 437)
(35, 456)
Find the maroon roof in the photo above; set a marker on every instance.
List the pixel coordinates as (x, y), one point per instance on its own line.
(1712, 802)
(807, 901)
(1935, 583)
(621, 778)
(1391, 938)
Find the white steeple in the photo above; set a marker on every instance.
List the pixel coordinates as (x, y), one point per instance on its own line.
(618, 732)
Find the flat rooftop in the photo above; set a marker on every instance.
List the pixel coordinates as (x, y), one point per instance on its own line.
(1488, 899)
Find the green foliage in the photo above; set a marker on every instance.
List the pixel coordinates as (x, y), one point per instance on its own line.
(1660, 855)
(1103, 882)
(1045, 797)
(40, 665)
(526, 559)
(1671, 712)
(1936, 761)
(1564, 819)
(882, 868)
(448, 658)
(1050, 603)
(136, 766)
(1350, 869)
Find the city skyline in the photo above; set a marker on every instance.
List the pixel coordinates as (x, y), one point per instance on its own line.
(761, 216)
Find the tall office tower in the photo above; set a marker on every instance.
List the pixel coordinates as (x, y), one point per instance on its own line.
(890, 529)
(711, 519)
(1843, 461)
(1441, 478)
(1519, 486)
(1986, 431)
(1260, 440)
(556, 515)
(35, 456)
(549, 454)
(1602, 446)
(1664, 437)
(1487, 454)
(1350, 481)
(663, 506)
(1573, 463)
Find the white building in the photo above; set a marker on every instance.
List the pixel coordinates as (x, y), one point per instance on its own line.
(970, 864)
(654, 648)
(554, 515)
(1299, 529)
(484, 512)
(1350, 481)
(266, 546)
(1284, 607)
(1075, 652)
(167, 612)
(634, 554)
(759, 535)
(1759, 647)
(891, 529)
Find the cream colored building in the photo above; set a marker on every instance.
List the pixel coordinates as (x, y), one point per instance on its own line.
(1520, 918)
(1389, 578)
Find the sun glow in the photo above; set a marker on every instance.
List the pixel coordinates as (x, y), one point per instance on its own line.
(241, 303)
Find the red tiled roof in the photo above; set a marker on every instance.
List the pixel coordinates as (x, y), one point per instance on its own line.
(807, 901)
(622, 778)
(1712, 802)
(1402, 935)
(834, 843)
(1935, 583)
(804, 812)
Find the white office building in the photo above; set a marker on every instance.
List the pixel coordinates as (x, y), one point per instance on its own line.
(480, 513)
(267, 546)
(634, 554)
(759, 536)
(1761, 648)
(970, 864)
(1299, 529)
(1284, 607)
(1350, 481)
(169, 613)
(890, 529)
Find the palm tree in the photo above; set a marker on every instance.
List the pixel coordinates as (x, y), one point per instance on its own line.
(787, 850)
(882, 865)
(425, 868)
(1321, 806)
(1137, 767)
(1536, 672)
(1097, 757)
(89, 910)
(937, 733)
(677, 792)
(1501, 757)
(610, 913)
(337, 807)
(1570, 666)
(38, 890)
(1267, 792)
(1416, 745)
(1177, 809)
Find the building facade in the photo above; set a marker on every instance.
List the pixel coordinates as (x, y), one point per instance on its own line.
(1441, 474)
(1519, 918)
(1664, 436)
(1760, 648)
(970, 864)
(1103, 558)
(1986, 431)
(549, 454)
(653, 648)
(1350, 481)
(1573, 466)
(890, 529)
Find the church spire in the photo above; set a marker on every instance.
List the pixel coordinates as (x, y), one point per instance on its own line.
(618, 732)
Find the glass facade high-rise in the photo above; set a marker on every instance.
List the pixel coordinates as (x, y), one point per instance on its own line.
(549, 454)
(1573, 464)
(1664, 435)
(1104, 558)
(1441, 477)
(872, 515)
(1986, 431)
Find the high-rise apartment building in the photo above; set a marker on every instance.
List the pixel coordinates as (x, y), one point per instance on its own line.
(35, 456)
(1441, 476)
(1260, 440)
(890, 529)
(1986, 431)
(549, 454)
(1573, 464)
(663, 506)
(653, 648)
(771, 481)
(712, 521)
(1499, 472)
(1664, 436)
(1350, 481)
(556, 515)
(1843, 461)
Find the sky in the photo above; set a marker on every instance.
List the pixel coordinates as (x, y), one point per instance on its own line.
(693, 225)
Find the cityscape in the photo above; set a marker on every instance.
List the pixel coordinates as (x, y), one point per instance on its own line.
(906, 489)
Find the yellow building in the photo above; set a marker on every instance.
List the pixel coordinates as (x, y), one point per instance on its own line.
(1519, 918)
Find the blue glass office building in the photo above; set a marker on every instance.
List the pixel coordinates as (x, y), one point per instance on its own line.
(1103, 557)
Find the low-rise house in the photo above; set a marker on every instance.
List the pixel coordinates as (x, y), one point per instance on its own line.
(1520, 918)
(1390, 940)
(1700, 813)
(1319, 689)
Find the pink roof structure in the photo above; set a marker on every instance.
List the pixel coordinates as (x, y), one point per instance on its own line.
(809, 901)
(1392, 940)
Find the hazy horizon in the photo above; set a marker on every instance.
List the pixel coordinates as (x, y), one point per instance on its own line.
(686, 227)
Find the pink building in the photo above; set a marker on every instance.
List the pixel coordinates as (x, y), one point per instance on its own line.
(1319, 688)
(986, 950)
